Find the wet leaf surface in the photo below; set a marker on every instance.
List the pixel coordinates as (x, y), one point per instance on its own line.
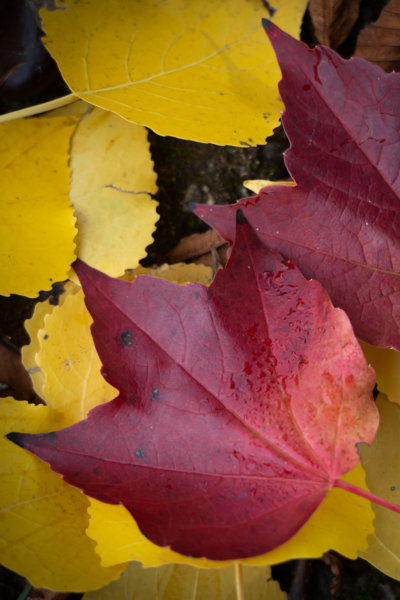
(258, 380)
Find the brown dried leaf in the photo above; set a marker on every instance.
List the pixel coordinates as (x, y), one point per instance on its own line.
(380, 42)
(333, 19)
(195, 245)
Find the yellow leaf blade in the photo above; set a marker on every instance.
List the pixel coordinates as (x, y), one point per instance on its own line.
(386, 363)
(381, 463)
(70, 379)
(37, 228)
(42, 519)
(111, 188)
(195, 70)
(188, 583)
(177, 273)
(34, 327)
(255, 185)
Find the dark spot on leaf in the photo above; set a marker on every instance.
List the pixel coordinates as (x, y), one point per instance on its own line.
(126, 338)
(45, 337)
(155, 393)
(393, 488)
(139, 453)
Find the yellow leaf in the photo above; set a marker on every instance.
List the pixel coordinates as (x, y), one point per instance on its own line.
(196, 70)
(173, 582)
(37, 226)
(34, 327)
(342, 523)
(255, 185)
(381, 463)
(111, 187)
(69, 378)
(177, 273)
(386, 362)
(42, 519)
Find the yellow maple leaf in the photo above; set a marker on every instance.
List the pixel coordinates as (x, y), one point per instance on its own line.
(42, 519)
(196, 70)
(381, 463)
(188, 583)
(37, 227)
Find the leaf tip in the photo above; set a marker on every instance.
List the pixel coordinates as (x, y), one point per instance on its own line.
(267, 24)
(16, 438)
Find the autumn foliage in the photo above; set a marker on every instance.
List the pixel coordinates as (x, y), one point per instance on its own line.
(213, 422)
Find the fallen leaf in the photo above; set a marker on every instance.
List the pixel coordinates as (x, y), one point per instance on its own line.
(37, 227)
(386, 364)
(263, 404)
(333, 20)
(42, 519)
(199, 71)
(341, 223)
(68, 361)
(188, 583)
(177, 273)
(256, 185)
(195, 245)
(111, 190)
(381, 463)
(342, 522)
(34, 328)
(112, 180)
(379, 42)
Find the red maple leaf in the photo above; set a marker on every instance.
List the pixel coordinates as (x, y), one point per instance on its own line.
(240, 404)
(341, 223)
